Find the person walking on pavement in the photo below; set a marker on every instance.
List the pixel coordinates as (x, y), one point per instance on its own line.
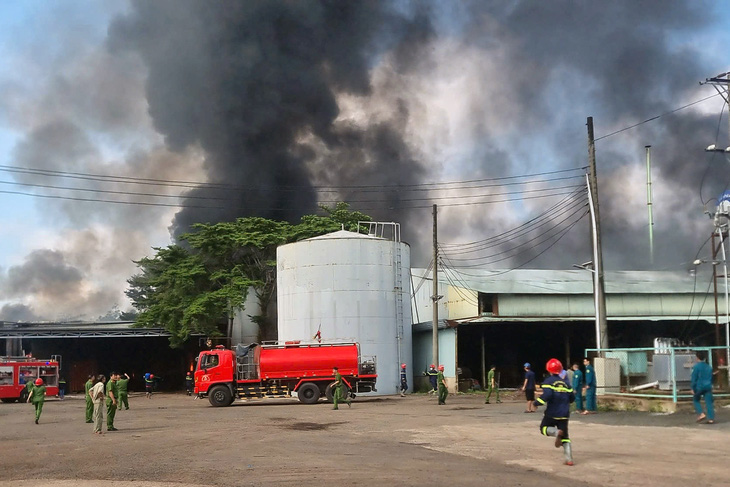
(149, 385)
(97, 396)
(432, 373)
(578, 387)
(492, 384)
(443, 390)
(556, 397)
(403, 380)
(37, 396)
(702, 387)
(528, 387)
(123, 388)
(61, 388)
(589, 385)
(338, 388)
(189, 383)
(112, 393)
(89, 401)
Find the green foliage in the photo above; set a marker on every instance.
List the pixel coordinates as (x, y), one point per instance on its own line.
(194, 291)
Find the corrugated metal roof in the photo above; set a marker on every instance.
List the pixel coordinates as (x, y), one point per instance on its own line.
(539, 281)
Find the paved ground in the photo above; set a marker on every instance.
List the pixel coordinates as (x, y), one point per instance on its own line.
(173, 440)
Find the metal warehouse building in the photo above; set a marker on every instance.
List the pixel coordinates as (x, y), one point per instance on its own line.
(509, 318)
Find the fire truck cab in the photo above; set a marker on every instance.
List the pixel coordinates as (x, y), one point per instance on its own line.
(16, 372)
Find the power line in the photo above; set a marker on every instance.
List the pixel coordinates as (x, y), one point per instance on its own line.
(656, 117)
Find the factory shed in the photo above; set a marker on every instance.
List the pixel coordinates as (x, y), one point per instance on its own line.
(509, 318)
(100, 348)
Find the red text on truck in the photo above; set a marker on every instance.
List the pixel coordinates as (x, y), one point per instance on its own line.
(279, 369)
(16, 372)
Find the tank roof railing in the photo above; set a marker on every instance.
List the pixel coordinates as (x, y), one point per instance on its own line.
(378, 229)
(294, 343)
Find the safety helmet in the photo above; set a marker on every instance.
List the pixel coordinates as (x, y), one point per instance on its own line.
(432, 366)
(441, 368)
(527, 365)
(39, 381)
(554, 366)
(188, 373)
(152, 376)
(402, 366)
(147, 375)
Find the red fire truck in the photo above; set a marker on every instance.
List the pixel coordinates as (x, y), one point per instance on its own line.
(15, 372)
(279, 369)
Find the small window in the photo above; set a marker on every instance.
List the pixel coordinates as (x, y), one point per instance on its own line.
(209, 361)
(6, 376)
(487, 304)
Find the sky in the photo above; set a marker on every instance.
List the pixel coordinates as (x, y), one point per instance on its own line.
(189, 111)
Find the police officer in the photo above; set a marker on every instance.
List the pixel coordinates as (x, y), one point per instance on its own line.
(403, 380)
(441, 381)
(492, 384)
(89, 401)
(189, 383)
(578, 387)
(556, 396)
(123, 388)
(37, 396)
(338, 390)
(112, 393)
(589, 385)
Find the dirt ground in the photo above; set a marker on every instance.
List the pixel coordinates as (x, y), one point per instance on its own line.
(174, 440)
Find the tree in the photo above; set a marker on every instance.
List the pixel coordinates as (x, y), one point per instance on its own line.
(196, 290)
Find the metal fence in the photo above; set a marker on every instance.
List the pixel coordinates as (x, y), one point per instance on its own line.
(659, 372)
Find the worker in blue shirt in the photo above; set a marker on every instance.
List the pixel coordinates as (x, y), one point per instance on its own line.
(589, 385)
(702, 387)
(556, 397)
(403, 380)
(578, 387)
(528, 387)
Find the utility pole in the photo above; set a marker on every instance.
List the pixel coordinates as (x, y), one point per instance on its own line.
(649, 204)
(598, 285)
(435, 297)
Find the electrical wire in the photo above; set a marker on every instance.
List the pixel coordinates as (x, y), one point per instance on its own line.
(712, 159)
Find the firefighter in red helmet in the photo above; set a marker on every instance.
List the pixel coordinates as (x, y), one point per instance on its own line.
(556, 397)
(403, 380)
(37, 396)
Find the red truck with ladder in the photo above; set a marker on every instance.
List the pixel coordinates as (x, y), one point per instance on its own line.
(280, 369)
(16, 372)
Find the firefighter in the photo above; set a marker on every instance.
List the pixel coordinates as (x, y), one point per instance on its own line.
(403, 380)
(89, 401)
(61, 388)
(432, 373)
(123, 387)
(189, 383)
(337, 390)
(149, 385)
(556, 397)
(112, 393)
(37, 396)
(441, 381)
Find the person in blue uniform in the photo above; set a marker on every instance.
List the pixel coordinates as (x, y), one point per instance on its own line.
(432, 374)
(556, 397)
(578, 387)
(528, 387)
(403, 380)
(589, 385)
(702, 387)
(189, 383)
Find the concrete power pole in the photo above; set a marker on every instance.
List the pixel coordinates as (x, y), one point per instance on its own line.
(598, 284)
(435, 297)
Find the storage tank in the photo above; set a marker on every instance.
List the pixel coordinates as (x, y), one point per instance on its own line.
(348, 285)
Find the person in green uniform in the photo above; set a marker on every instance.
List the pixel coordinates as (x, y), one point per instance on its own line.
(37, 396)
(89, 402)
(492, 384)
(338, 390)
(443, 390)
(111, 401)
(28, 387)
(122, 386)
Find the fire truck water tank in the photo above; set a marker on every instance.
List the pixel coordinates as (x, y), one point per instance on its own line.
(349, 286)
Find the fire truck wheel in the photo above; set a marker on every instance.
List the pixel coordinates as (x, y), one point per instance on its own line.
(220, 396)
(308, 393)
(330, 391)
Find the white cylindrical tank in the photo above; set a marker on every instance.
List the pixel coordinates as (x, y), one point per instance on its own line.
(349, 286)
